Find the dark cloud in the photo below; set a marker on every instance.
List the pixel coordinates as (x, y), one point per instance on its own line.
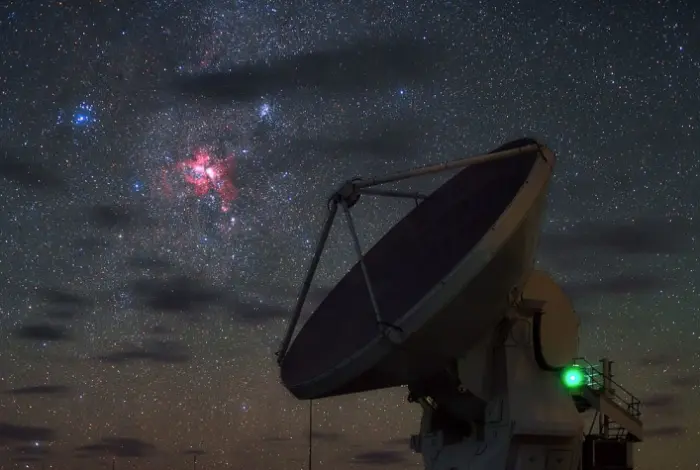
(63, 297)
(28, 174)
(160, 330)
(31, 451)
(26, 459)
(257, 312)
(117, 216)
(391, 140)
(62, 314)
(43, 332)
(193, 297)
(658, 360)
(379, 457)
(39, 390)
(686, 381)
(194, 452)
(118, 447)
(665, 431)
(616, 286)
(165, 352)
(148, 262)
(647, 235)
(260, 311)
(11, 432)
(180, 294)
(660, 401)
(368, 64)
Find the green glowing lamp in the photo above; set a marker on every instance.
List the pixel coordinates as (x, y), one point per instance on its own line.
(573, 377)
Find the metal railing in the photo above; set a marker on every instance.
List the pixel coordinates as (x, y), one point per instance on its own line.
(616, 431)
(596, 381)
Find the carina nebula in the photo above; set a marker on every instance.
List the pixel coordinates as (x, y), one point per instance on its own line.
(204, 176)
(202, 187)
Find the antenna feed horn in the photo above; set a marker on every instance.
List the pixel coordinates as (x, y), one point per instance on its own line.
(348, 193)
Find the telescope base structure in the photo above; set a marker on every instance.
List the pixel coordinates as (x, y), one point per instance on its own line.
(504, 411)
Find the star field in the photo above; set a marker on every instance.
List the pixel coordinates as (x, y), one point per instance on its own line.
(160, 207)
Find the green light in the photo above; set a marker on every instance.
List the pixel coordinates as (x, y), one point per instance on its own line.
(573, 377)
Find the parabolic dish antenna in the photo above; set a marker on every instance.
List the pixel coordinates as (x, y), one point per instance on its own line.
(448, 303)
(439, 280)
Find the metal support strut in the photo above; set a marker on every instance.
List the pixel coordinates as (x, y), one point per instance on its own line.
(320, 245)
(348, 195)
(361, 260)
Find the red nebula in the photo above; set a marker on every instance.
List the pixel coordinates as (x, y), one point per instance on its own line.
(205, 174)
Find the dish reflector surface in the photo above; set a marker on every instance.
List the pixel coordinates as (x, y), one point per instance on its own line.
(442, 274)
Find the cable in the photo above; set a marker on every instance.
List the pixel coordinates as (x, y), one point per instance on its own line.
(311, 432)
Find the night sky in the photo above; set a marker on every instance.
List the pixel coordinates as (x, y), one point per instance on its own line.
(163, 174)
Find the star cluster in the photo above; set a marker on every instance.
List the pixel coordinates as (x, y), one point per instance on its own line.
(156, 227)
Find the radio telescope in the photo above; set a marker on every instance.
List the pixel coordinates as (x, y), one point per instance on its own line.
(448, 303)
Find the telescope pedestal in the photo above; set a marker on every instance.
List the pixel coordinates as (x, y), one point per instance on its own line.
(507, 412)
